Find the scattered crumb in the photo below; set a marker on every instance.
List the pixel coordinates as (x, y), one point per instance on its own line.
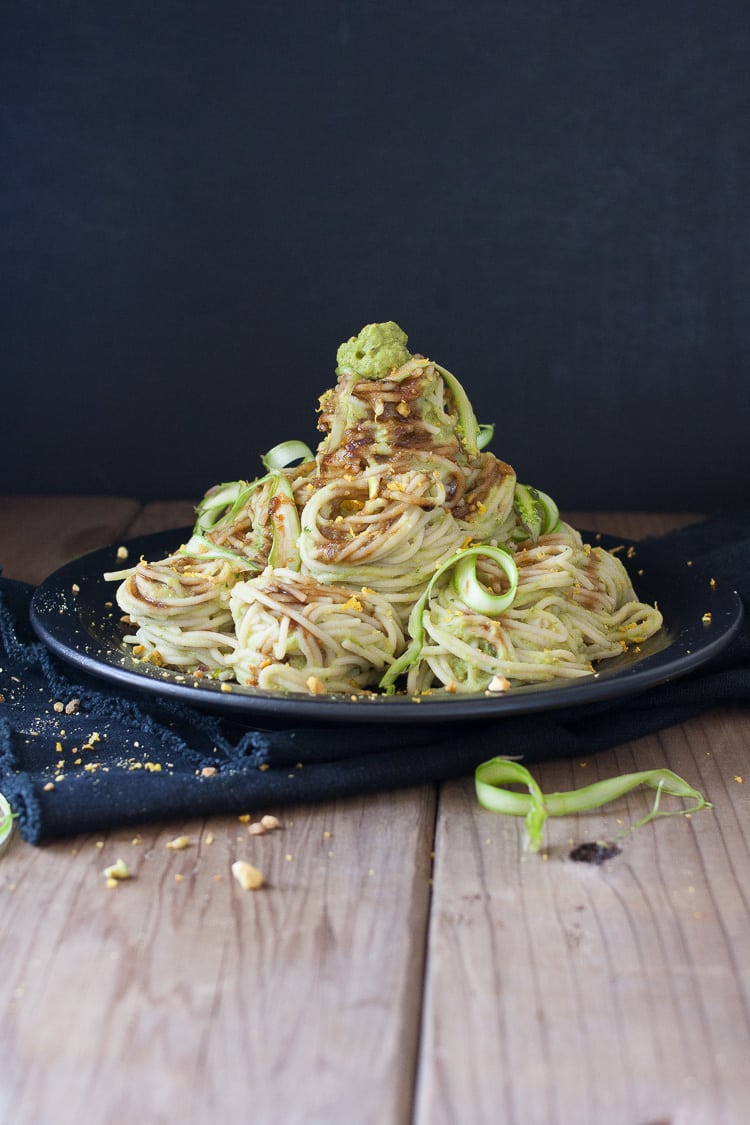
(270, 822)
(178, 843)
(117, 871)
(209, 771)
(122, 552)
(256, 829)
(248, 877)
(49, 786)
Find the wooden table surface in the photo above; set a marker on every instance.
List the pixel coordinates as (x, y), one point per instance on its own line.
(408, 961)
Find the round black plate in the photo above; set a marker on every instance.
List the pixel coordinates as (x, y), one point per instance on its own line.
(74, 613)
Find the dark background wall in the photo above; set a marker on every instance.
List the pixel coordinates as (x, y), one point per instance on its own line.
(200, 201)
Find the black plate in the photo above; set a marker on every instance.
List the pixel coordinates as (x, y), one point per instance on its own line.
(74, 613)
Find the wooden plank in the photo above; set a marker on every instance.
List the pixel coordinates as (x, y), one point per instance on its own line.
(558, 991)
(169, 999)
(40, 533)
(161, 515)
(178, 996)
(632, 525)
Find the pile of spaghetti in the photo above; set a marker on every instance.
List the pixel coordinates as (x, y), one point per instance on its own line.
(401, 556)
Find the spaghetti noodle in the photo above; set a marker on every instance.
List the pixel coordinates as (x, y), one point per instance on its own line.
(401, 555)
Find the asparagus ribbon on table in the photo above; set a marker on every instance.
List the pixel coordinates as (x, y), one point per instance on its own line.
(7, 817)
(493, 777)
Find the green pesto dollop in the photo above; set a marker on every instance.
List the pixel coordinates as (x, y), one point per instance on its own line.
(375, 352)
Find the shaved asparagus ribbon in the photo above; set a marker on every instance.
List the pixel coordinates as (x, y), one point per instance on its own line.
(286, 526)
(286, 453)
(537, 512)
(491, 779)
(467, 424)
(222, 504)
(6, 821)
(469, 588)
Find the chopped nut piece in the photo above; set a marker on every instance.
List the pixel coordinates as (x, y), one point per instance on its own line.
(117, 870)
(498, 683)
(209, 771)
(256, 829)
(316, 686)
(179, 843)
(72, 707)
(269, 821)
(58, 707)
(122, 552)
(248, 877)
(49, 786)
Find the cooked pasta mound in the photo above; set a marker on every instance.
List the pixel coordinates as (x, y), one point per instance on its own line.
(401, 555)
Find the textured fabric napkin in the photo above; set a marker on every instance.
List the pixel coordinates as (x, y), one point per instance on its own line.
(77, 755)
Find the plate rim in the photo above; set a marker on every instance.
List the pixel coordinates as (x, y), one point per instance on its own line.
(245, 703)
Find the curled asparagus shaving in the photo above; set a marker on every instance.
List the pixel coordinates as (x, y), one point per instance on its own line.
(468, 587)
(286, 453)
(7, 816)
(491, 779)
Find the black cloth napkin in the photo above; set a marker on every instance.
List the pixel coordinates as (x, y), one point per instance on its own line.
(77, 755)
